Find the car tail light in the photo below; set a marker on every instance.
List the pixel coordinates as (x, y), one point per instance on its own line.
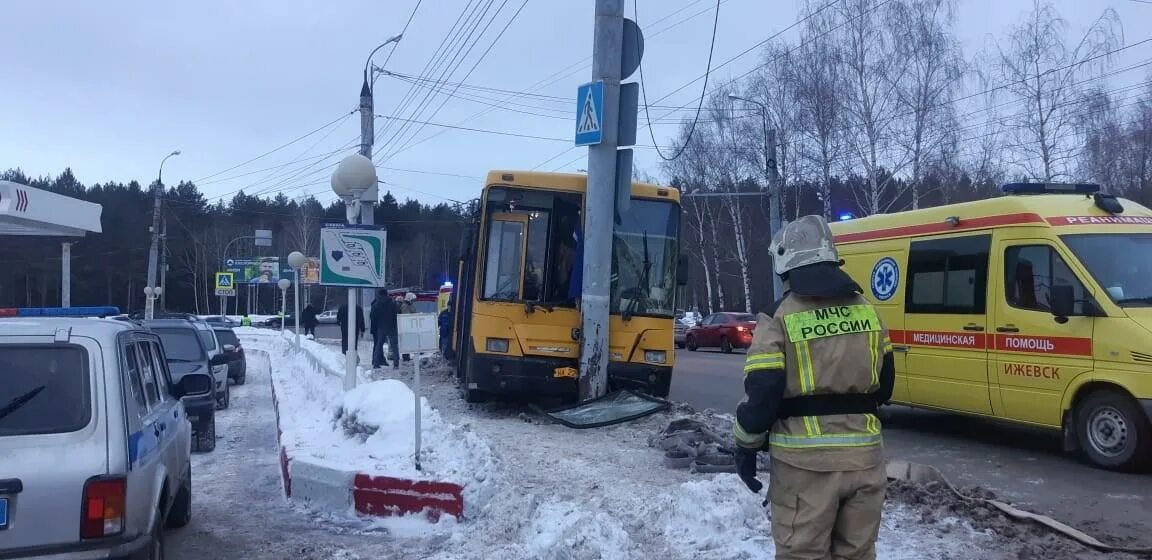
(103, 514)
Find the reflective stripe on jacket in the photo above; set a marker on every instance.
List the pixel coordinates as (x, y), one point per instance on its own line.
(821, 346)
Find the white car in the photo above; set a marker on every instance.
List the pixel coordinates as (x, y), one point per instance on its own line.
(327, 317)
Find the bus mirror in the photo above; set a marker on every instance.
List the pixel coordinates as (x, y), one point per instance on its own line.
(682, 271)
(1062, 300)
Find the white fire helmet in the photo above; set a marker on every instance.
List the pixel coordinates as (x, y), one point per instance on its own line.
(410, 296)
(805, 241)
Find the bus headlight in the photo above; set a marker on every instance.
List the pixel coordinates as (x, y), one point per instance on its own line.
(497, 345)
(655, 356)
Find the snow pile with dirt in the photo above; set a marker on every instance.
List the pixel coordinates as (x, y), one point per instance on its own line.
(370, 429)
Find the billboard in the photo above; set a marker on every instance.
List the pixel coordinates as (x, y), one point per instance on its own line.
(310, 272)
(262, 270)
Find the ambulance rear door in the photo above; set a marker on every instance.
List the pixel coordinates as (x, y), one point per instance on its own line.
(1034, 355)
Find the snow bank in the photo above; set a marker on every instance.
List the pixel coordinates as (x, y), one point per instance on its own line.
(370, 429)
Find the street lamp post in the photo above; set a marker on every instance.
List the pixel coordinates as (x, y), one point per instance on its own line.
(296, 260)
(772, 178)
(284, 283)
(157, 192)
(150, 295)
(354, 175)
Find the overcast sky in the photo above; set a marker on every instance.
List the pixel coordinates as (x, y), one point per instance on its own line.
(109, 88)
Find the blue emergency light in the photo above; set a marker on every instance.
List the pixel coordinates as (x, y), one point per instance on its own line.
(845, 216)
(1050, 188)
(99, 311)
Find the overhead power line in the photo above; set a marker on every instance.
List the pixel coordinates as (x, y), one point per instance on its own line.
(276, 149)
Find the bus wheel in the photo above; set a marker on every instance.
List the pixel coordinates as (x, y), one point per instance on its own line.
(1113, 431)
(472, 396)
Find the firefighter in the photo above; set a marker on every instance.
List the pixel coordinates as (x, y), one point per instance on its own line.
(819, 366)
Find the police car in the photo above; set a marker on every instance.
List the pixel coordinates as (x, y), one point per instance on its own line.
(94, 441)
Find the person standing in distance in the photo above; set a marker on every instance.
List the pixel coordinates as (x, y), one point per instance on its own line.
(819, 367)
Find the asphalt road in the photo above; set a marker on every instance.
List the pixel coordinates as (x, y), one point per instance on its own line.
(1021, 465)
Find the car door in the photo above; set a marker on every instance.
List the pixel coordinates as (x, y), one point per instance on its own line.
(145, 452)
(708, 332)
(1034, 355)
(946, 323)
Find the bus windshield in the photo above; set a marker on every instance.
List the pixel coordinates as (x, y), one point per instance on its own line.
(533, 252)
(644, 254)
(1120, 263)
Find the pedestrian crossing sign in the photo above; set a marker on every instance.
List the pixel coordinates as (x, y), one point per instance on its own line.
(590, 114)
(225, 285)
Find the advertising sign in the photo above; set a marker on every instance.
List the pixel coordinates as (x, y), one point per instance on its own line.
(262, 270)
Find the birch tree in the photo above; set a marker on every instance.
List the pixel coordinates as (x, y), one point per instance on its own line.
(1049, 79)
(874, 68)
(819, 83)
(923, 38)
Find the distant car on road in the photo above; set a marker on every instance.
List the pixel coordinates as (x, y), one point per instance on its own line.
(276, 321)
(237, 363)
(327, 317)
(680, 333)
(725, 330)
(222, 321)
(94, 441)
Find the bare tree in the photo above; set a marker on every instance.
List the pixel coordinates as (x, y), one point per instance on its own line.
(819, 83)
(924, 39)
(1048, 78)
(874, 69)
(1105, 141)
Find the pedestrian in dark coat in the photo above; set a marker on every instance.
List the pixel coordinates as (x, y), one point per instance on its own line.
(382, 320)
(342, 319)
(308, 320)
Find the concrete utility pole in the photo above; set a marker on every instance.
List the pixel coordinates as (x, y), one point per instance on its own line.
(367, 140)
(775, 199)
(154, 249)
(66, 274)
(599, 206)
(163, 269)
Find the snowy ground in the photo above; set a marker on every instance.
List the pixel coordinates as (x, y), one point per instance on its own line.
(557, 494)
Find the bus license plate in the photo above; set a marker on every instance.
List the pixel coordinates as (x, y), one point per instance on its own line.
(3, 513)
(563, 372)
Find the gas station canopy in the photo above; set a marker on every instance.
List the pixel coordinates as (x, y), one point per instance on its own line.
(28, 211)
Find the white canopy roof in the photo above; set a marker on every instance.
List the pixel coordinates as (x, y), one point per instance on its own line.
(28, 211)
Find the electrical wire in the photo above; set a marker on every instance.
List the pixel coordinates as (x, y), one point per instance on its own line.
(276, 149)
(703, 89)
(402, 32)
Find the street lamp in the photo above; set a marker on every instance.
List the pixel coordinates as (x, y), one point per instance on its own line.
(391, 40)
(154, 249)
(283, 283)
(150, 295)
(296, 260)
(354, 175)
(772, 178)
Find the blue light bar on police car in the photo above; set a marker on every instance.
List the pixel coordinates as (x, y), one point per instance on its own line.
(99, 311)
(1050, 188)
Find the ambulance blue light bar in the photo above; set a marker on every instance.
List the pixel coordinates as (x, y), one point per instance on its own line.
(1050, 188)
(99, 311)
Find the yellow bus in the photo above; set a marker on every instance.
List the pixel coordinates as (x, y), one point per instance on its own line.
(517, 320)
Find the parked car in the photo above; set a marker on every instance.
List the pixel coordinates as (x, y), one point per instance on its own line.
(680, 333)
(94, 439)
(237, 363)
(185, 352)
(725, 330)
(275, 321)
(219, 371)
(327, 317)
(222, 321)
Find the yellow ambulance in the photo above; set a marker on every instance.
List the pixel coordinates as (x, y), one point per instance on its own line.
(1035, 307)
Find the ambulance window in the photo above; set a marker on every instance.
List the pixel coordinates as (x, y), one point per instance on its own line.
(1029, 273)
(949, 276)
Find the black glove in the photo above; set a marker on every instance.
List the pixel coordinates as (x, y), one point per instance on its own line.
(746, 467)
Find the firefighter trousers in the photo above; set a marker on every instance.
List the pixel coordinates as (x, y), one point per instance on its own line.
(826, 515)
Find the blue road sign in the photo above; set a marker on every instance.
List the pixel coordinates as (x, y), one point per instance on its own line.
(590, 114)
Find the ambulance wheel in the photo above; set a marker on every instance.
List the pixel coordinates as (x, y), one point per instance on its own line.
(725, 346)
(1113, 431)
